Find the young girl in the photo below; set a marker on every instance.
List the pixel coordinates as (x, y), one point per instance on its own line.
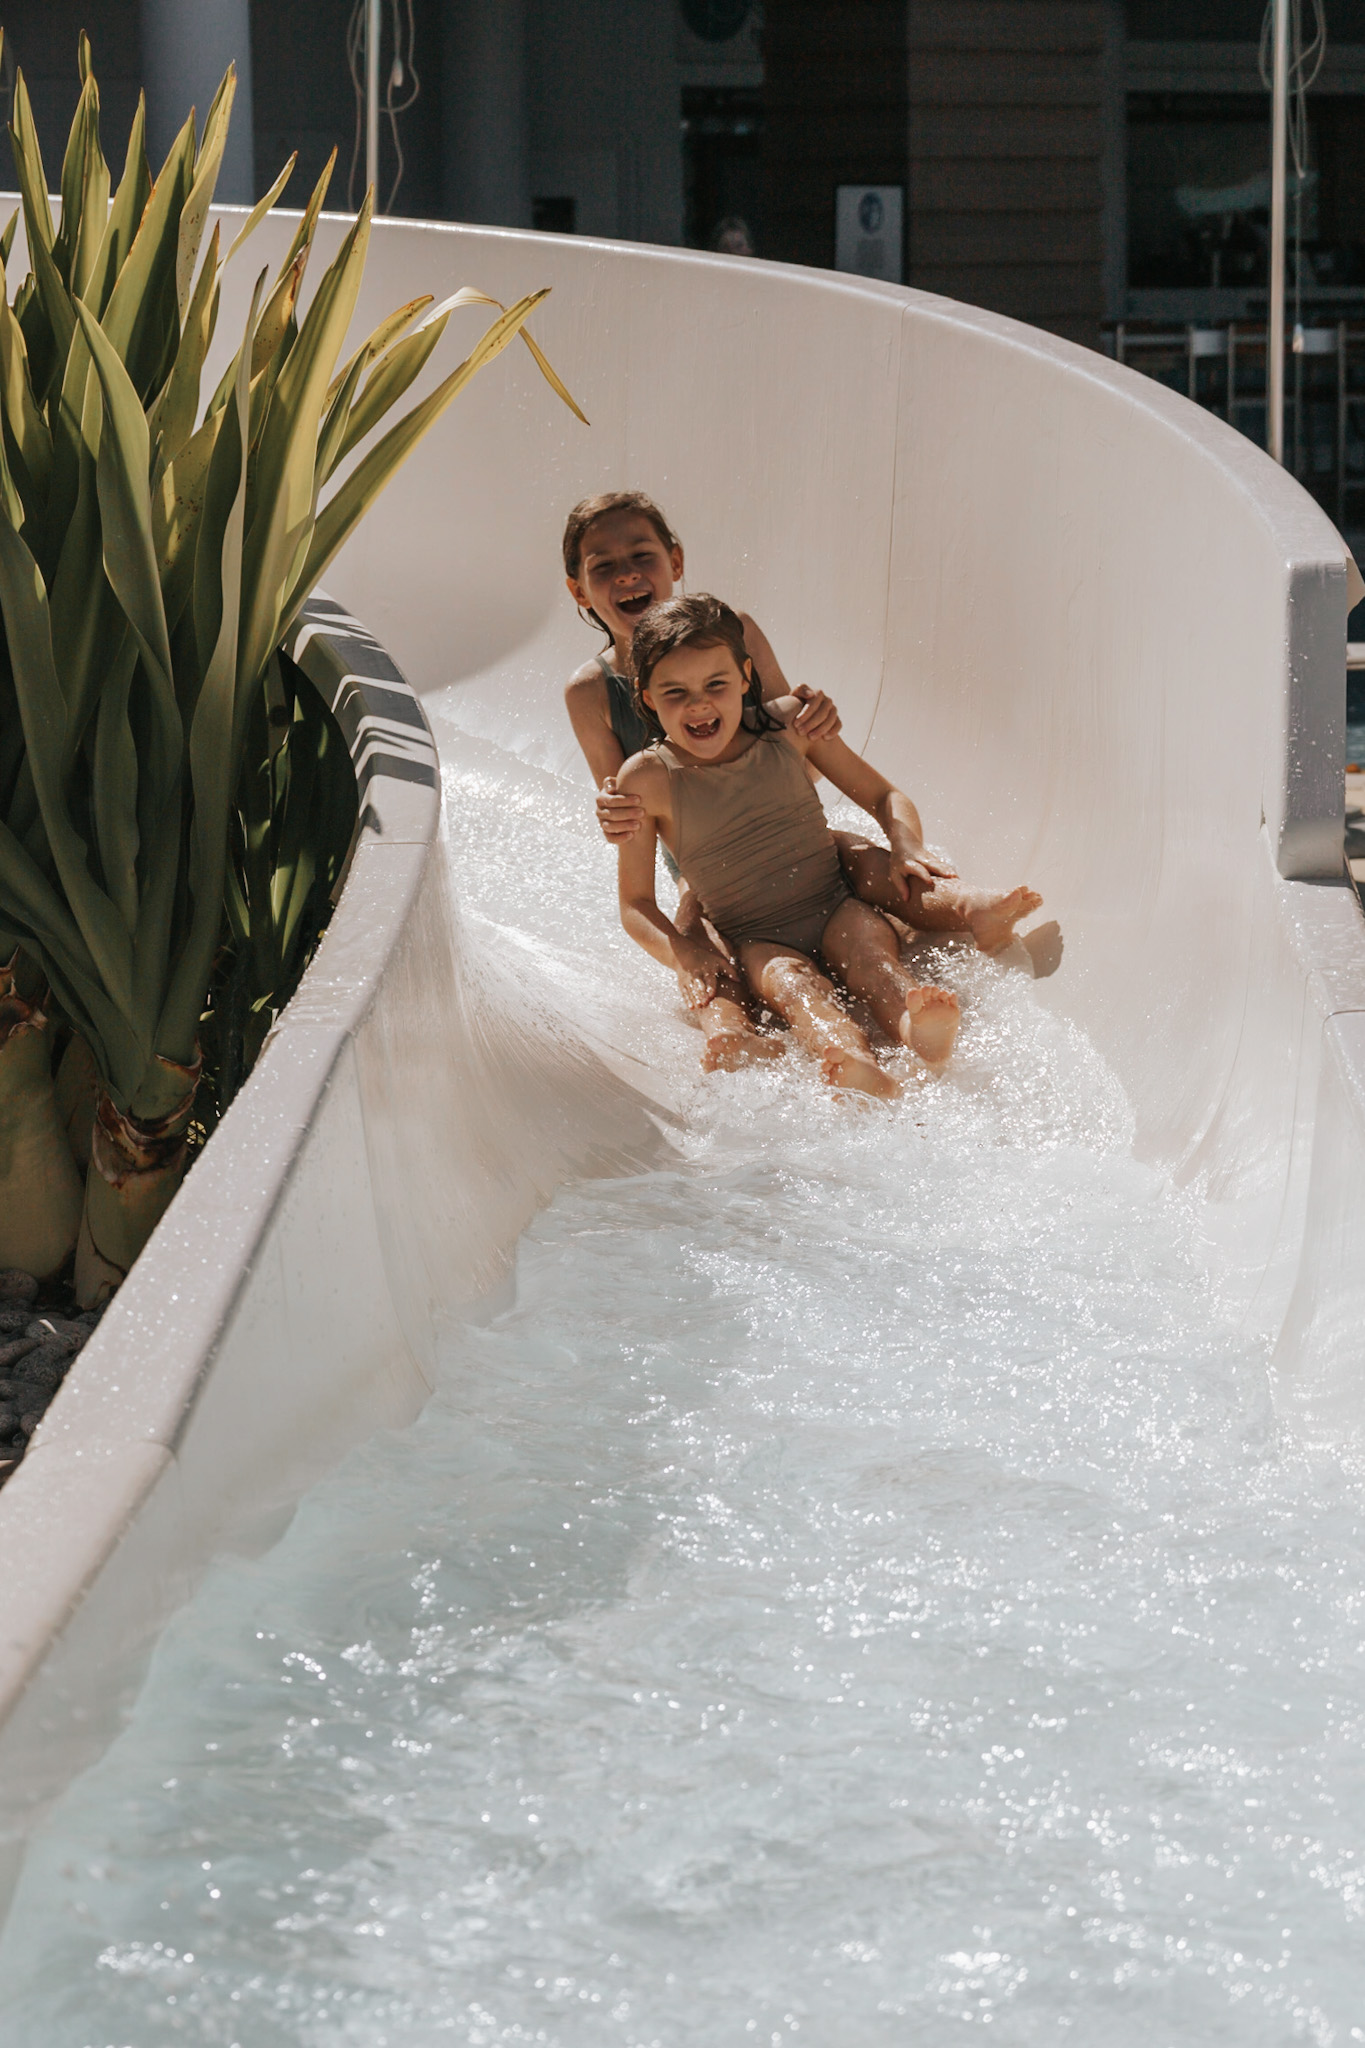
(620, 557)
(724, 784)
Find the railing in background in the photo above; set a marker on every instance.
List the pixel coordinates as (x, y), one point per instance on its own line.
(1224, 369)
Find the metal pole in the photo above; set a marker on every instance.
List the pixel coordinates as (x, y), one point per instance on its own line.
(1279, 120)
(372, 19)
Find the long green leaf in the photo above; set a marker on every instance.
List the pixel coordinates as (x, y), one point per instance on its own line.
(213, 761)
(206, 167)
(47, 349)
(73, 183)
(285, 481)
(469, 296)
(304, 232)
(375, 344)
(86, 620)
(141, 320)
(28, 162)
(125, 217)
(123, 468)
(336, 420)
(115, 780)
(276, 316)
(177, 507)
(28, 629)
(388, 380)
(171, 423)
(27, 428)
(342, 513)
(261, 209)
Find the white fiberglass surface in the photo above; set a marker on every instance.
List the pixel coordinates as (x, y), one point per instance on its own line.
(851, 1587)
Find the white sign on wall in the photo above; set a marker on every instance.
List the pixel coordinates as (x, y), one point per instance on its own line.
(869, 230)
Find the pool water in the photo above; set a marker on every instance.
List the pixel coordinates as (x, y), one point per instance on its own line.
(851, 1588)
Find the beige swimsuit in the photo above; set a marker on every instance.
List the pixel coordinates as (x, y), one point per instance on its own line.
(753, 844)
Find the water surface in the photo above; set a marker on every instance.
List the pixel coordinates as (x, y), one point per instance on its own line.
(852, 1589)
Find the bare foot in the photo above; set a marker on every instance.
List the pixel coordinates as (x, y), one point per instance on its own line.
(842, 1068)
(734, 1048)
(929, 1026)
(992, 922)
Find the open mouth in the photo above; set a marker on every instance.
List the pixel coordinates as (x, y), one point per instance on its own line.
(639, 601)
(701, 728)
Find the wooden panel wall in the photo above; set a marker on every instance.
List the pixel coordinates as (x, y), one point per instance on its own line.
(834, 113)
(1005, 157)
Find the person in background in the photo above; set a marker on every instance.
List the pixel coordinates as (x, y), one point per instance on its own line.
(732, 237)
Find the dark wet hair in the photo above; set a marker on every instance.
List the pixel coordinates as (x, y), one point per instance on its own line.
(699, 621)
(589, 510)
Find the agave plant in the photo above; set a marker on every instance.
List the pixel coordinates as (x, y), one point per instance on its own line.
(151, 559)
(290, 834)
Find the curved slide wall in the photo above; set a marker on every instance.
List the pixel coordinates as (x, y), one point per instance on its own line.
(1098, 635)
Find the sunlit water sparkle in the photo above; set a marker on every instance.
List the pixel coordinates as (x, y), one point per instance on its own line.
(854, 1591)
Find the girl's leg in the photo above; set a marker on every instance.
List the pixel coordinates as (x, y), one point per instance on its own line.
(861, 948)
(990, 915)
(791, 984)
(733, 1038)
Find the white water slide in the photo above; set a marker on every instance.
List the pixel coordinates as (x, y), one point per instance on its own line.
(865, 1569)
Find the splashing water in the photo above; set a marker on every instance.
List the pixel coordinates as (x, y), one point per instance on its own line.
(856, 1592)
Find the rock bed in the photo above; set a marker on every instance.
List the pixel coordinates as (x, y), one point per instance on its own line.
(41, 1330)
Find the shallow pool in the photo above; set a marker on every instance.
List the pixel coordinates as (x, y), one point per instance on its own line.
(851, 1589)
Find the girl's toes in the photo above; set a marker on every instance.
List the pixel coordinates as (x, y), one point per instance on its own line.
(934, 1026)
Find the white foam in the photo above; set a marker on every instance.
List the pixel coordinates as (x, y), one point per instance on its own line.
(855, 1592)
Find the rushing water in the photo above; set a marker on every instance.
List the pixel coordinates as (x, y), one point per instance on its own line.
(854, 1592)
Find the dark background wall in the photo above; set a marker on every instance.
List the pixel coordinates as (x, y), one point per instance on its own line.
(1006, 127)
(305, 102)
(835, 98)
(42, 37)
(1044, 145)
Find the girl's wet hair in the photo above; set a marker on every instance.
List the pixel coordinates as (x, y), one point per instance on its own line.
(589, 510)
(699, 621)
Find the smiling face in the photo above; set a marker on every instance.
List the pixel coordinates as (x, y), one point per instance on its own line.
(697, 695)
(623, 569)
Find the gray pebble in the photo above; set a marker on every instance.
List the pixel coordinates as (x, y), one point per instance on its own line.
(13, 1320)
(14, 1350)
(44, 1367)
(29, 1423)
(44, 1327)
(17, 1286)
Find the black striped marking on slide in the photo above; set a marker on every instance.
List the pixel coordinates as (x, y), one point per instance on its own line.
(376, 707)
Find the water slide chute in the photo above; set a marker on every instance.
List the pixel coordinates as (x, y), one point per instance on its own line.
(1095, 630)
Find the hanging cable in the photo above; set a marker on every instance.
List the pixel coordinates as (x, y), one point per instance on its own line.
(401, 90)
(404, 84)
(355, 63)
(1305, 63)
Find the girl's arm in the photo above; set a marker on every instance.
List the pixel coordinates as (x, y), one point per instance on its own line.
(891, 807)
(696, 963)
(816, 716)
(585, 696)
